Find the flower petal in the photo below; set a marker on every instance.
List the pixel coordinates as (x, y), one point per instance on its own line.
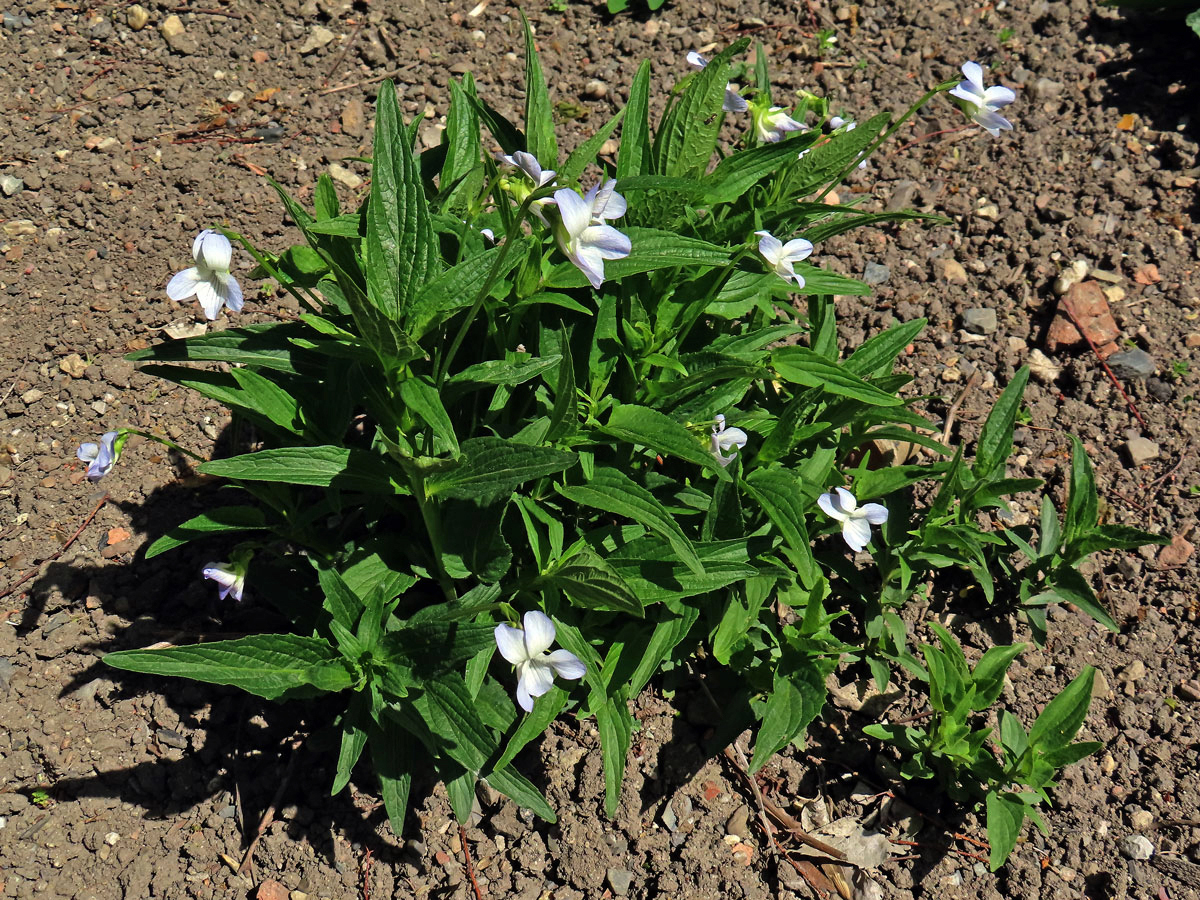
(566, 665)
(87, 452)
(992, 122)
(829, 505)
(523, 698)
(605, 240)
(608, 204)
(695, 59)
(734, 102)
(535, 679)
(797, 249)
(974, 74)
(233, 292)
(528, 164)
(183, 284)
(997, 96)
(210, 299)
(539, 633)
(198, 243)
(769, 247)
(216, 251)
(575, 211)
(876, 513)
(846, 500)
(511, 643)
(731, 437)
(856, 533)
(967, 93)
(589, 261)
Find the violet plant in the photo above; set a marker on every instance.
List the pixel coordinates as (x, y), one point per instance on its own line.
(516, 411)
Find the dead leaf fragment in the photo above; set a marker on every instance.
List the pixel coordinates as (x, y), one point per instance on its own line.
(1126, 122)
(1147, 274)
(864, 849)
(1087, 302)
(118, 534)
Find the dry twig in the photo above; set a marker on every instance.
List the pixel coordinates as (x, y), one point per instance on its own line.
(59, 552)
(269, 816)
(462, 838)
(1066, 306)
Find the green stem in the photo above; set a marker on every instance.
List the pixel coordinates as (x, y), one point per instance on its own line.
(509, 240)
(929, 95)
(433, 529)
(166, 442)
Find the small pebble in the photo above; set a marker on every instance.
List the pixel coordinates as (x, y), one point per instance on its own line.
(1132, 364)
(136, 17)
(619, 880)
(980, 320)
(1136, 846)
(1140, 451)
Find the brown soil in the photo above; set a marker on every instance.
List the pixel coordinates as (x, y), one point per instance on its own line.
(127, 146)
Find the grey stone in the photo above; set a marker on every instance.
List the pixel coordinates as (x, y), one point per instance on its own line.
(980, 320)
(876, 273)
(10, 184)
(1136, 363)
(620, 879)
(171, 738)
(902, 196)
(1136, 846)
(1140, 451)
(1045, 89)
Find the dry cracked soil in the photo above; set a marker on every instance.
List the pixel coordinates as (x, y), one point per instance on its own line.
(128, 128)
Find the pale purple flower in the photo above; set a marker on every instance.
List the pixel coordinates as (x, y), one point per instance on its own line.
(980, 103)
(856, 520)
(726, 440)
(734, 102)
(229, 577)
(526, 649)
(209, 280)
(772, 123)
(100, 457)
(782, 257)
(535, 177)
(581, 233)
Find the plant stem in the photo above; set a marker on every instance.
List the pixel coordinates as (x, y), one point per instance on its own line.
(434, 530)
(929, 95)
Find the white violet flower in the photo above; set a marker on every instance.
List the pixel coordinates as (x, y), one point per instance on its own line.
(783, 257)
(581, 233)
(725, 440)
(980, 103)
(772, 123)
(100, 457)
(209, 280)
(537, 178)
(734, 102)
(856, 520)
(526, 649)
(230, 577)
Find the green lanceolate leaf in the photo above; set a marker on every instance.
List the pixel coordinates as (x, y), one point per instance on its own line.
(995, 440)
(393, 753)
(1063, 716)
(401, 250)
(988, 674)
(822, 281)
(425, 400)
(1005, 816)
(266, 665)
(593, 584)
(1082, 503)
(222, 520)
(826, 161)
(341, 602)
(877, 354)
(328, 466)
(795, 700)
(615, 492)
(651, 250)
(800, 365)
(264, 346)
(269, 399)
(493, 467)
(688, 133)
(615, 725)
(539, 114)
(503, 371)
(463, 150)
(650, 428)
(780, 495)
(633, 157)
(738, 172)
(354, 739)
(1067, 585)
(456, 288)
(585, 154)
